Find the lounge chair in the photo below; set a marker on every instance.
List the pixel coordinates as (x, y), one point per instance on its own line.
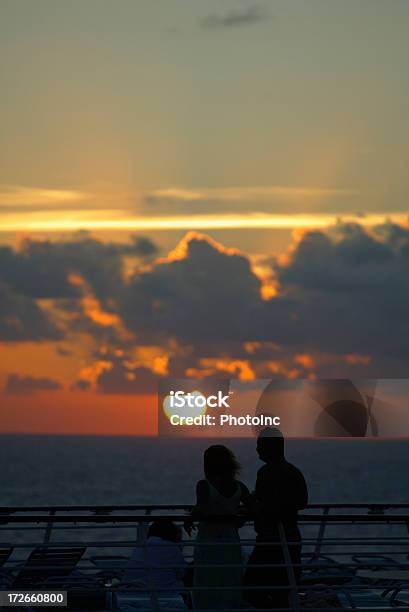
(48, 563)
(5, 554)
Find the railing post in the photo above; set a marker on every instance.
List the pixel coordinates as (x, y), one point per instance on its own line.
(143, 540)
(142, 529)
(48, 530)
(320, 536)
(294, 600)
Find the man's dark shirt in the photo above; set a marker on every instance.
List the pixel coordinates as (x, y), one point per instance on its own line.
(281, 491)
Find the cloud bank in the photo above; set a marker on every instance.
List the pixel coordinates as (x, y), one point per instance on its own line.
(26, 385)
(339, 308)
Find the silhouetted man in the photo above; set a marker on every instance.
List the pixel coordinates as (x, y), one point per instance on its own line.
(281, 492)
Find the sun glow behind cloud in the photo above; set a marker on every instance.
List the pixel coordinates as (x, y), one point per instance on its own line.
(63, 221)
(179, 208)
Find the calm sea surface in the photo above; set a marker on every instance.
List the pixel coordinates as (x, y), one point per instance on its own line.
(99, 470)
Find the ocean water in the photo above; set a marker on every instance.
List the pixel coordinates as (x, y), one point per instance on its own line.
(107, 470)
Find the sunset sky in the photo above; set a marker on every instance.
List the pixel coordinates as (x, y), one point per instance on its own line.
(197, 189)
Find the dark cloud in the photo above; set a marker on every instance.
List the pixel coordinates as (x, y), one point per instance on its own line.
(42, 269)
(237, 18)
(140, 246)
(63, 352)
(342, 292)
(122, 380)
(21, 319)
(347, 291)
(208, 294)
(81, 385)
(343, 299)
(25, 385)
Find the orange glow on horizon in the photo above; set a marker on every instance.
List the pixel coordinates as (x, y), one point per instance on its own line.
(79, 413)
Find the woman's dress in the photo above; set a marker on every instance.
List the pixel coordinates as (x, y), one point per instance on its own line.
(218, 547)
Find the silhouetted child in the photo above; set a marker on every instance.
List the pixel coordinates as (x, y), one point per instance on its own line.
(158, 567)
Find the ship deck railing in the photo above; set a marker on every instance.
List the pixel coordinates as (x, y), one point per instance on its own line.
(355, 556)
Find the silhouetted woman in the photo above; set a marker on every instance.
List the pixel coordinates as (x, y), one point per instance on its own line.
(218, 543)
